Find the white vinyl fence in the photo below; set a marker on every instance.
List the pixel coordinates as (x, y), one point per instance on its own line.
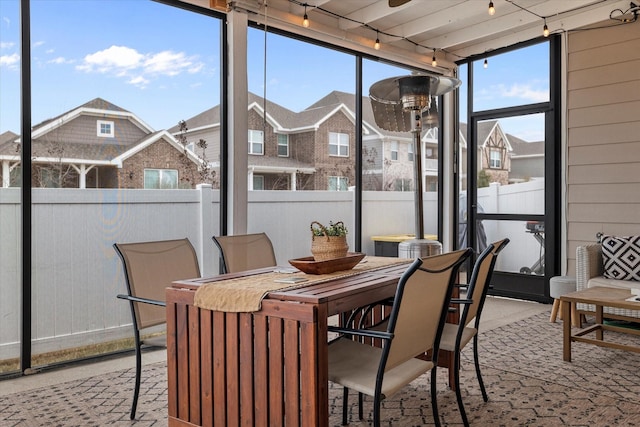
(76, 273)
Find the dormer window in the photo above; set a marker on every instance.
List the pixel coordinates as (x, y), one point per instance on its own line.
(105, 129)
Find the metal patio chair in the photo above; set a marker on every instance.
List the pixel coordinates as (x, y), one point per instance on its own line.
(244, 252)
(149, 268)
(415, 325)
(456, 336)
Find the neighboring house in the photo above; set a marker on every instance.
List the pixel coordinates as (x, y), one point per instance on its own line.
(527, 160)
(494, 151)
(315, 148)
(100, 145)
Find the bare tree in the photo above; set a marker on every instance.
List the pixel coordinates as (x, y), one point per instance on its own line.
(205, 173)
(52, 174)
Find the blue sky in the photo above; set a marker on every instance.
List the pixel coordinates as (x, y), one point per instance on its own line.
(162, 64)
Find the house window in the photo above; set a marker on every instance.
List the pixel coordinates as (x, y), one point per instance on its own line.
(258, 182)
(15, 177)
(283, 145)
(338, 144)
(105, 129)
(495, 160)
(161, 179)
(191, 147)
(394, 150)
(256, 142)
(402, 184)
(338, 183)
(50, 178)
(410, 152)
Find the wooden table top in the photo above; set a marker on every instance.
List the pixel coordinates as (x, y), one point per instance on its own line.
(339, 294)
(600, 295)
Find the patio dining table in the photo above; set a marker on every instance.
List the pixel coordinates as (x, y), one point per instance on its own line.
(267, 367)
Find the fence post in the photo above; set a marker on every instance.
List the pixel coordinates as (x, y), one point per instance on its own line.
(208, 264)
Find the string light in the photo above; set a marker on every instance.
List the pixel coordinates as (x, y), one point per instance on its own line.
(633, 9)
(376, 45)
(434, 63)
(486, 63)
(305, 19)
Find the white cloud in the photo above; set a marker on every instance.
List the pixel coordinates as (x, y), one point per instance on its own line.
(115, 59)
(523, 91)
(38, 44)
(139, 69)
(50, 50)
(60, 60)
(167, 63)
(6, 45)
(9, 60)
(6, 21)
(139, 81)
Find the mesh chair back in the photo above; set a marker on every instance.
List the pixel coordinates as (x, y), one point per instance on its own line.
(245, 252)
(480, 280)
(420, 306)
(150, 267)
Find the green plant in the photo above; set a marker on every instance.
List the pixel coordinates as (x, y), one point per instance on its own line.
(483, 179)
(334, 229)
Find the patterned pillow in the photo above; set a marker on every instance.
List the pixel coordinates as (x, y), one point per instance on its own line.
(621, 257)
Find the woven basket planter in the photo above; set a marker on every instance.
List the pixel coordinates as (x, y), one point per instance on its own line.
(327, 247)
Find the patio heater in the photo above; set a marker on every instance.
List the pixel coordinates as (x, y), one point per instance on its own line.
(403, 104)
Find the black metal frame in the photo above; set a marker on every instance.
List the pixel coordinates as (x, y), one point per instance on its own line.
(26, 125)
(508, 284)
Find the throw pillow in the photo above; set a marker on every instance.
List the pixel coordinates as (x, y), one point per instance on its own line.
(621, 257)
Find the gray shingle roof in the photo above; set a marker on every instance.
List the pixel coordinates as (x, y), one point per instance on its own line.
(96, 103)
(525, 148)
(7, 136)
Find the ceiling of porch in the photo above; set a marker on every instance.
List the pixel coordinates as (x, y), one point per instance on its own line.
(456, 29)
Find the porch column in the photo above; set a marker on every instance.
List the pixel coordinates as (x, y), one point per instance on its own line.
(294, 184)
(83, 176)
(237, 102)
(6, 174)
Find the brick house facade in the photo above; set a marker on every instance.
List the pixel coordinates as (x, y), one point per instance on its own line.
(100, 145)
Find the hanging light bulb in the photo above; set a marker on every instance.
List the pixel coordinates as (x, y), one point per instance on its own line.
(434, 62)
(545, 29)
(376, 45)
(305, 19)
(492, 10)
(486, 63)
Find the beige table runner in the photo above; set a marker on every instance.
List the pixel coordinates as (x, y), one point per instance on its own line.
(245, 294)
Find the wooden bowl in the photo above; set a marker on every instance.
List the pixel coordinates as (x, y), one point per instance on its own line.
(310, 266)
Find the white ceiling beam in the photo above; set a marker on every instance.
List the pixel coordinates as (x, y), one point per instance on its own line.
(591, 16)
(375, 11)
(521, 23)
(329, 34)
(451, 13)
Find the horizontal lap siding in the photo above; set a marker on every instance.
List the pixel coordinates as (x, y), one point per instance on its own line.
(603, 160)
(264, 358)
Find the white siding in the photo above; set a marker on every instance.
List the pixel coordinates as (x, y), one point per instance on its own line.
(603, 115)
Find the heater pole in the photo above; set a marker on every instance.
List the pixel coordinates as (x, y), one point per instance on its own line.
(416, 129)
